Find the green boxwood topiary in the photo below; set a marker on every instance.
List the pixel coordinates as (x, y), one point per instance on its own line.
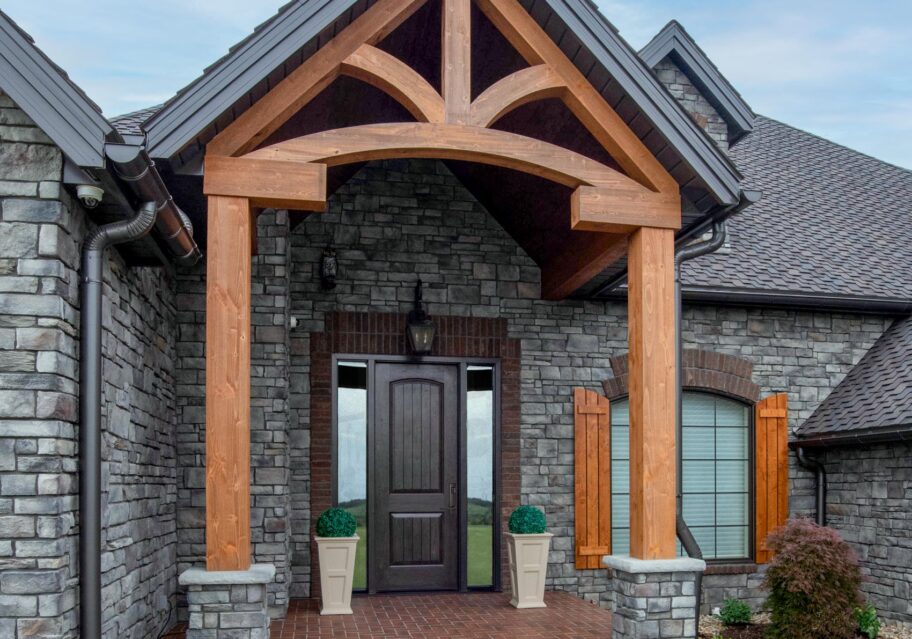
(735, 613)
(527, 520)
(813, 582)
(335, 522)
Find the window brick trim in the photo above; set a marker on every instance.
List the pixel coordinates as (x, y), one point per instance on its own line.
(701, 370)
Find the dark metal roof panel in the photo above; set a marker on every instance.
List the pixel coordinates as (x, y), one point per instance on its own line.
(674, 40)
(876, 394)
(45, 92)
(637, 81)
(247, 64)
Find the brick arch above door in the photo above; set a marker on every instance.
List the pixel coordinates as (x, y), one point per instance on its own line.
(701, 370)
(360, 333)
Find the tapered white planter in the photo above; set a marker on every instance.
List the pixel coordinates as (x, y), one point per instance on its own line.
(528, 568)
(337, 571)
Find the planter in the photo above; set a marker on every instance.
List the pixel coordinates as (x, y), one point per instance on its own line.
(337, 570)
(528, 568)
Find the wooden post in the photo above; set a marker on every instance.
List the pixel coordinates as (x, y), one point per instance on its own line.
(228, 269)
(456, 57)
(651, 321)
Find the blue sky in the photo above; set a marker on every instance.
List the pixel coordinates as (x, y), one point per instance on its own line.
(841, 69)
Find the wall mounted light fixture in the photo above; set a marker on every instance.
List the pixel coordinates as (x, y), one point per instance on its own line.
(420, 326)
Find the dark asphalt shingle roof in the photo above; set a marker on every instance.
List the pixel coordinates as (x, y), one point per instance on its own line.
(876, 394)
(832, 221)
(131, 123)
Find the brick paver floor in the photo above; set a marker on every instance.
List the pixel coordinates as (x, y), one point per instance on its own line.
(444, 615)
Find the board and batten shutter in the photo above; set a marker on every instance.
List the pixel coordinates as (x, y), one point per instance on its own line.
(592, 477)
(771, 432)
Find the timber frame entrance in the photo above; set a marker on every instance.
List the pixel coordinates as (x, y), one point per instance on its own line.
(633, 210)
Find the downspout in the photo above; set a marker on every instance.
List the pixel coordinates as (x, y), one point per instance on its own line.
(820, 488)
(93, 251)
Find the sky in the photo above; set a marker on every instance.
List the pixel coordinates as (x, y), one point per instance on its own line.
(839, 68)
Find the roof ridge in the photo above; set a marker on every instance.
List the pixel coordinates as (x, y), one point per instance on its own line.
(828, 141)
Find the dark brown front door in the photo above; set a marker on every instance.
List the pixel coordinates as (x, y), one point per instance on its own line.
(414, 521)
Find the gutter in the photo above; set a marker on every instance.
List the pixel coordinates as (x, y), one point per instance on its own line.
(133, 165)
(802, 301)
(881, 435)
(90, 381)
(816, 467)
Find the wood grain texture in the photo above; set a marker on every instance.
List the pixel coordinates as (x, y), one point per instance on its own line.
(592, 477)
(528, 38)
(447, 142)
(578, 262)
(651, 332)
(622, 211)
(518, 88)
(771, 474)
(228, 266)
(258, 122)
(456, 59)
(389, 74)
(267, 183)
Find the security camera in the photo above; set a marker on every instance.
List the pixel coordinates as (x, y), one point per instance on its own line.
(90, 195)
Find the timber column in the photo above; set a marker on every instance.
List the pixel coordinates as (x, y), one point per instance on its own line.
(653, 589)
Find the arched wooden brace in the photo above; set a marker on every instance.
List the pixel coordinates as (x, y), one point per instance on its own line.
(518, 88)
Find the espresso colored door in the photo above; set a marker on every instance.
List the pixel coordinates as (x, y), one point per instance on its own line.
(414, 521)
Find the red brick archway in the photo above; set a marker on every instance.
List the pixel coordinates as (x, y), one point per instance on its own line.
(384, 334)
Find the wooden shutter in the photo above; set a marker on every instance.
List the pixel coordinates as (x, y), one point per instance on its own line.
(592, 477)
(771, 429)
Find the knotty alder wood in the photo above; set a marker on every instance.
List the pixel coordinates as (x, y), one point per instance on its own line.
(528, 38)
(228, 265)
(456, 59)
(267, 183)
(592, 477)
(304, 83)
(651, 332)
(771, 477)
(513, 91)
(389, 74)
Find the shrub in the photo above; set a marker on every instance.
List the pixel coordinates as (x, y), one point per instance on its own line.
(335, 522)
(868, 623)
(735, 613)
(527, 520)
(813, 583)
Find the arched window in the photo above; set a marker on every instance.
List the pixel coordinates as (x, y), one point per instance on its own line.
(716, 466)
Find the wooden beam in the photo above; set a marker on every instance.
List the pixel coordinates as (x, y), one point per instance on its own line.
(391, 75)
(267, 183)
(581, 259)
(228, 266)
(622, 211)
(456, 59)
(448, 142)
(651, 332)
(304, 83)
(528, 38)
(513, 91)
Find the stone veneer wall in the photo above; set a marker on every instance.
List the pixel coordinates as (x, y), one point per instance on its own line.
(689, 96)
(269, 415)
(398, 219)
(41, 231)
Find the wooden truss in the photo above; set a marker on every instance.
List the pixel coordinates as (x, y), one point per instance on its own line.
(641, 201)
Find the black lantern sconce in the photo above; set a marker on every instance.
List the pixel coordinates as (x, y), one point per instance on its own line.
(329, 269)
(420, 327)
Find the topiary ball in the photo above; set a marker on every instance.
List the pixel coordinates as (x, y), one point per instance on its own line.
(336, 522)
(527, 520)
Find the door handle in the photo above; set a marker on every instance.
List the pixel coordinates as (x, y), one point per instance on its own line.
(452, 496)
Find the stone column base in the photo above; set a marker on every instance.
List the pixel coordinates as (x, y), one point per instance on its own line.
(228, 604)
(654, 599)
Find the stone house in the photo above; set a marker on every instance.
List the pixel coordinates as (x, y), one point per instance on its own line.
(795, 329)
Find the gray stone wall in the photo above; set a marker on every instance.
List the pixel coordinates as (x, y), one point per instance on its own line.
(869, 491)
(699, 108)
(41, 230)
(269, 414)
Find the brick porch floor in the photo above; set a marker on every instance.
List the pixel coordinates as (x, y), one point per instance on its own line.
(443, 615)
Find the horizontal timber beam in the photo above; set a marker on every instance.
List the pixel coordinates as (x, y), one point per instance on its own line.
(267, 183)
(622, 211)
